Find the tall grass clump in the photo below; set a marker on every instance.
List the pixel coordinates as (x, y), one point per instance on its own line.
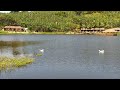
(8, 63)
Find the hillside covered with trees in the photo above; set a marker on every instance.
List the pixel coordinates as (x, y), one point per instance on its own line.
(61, 21)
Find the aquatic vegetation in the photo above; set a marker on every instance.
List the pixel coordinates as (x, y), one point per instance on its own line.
(7, 62)
(16, 52)
(39, 54)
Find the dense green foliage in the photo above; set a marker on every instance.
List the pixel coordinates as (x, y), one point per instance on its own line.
(62, 21)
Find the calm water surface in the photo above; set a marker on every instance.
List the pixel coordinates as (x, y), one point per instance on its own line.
(65, 56)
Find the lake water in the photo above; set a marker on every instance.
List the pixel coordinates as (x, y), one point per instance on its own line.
(65, 56)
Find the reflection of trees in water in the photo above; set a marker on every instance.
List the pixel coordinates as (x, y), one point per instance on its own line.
(17, 47)
(16, 43)
(16, 51)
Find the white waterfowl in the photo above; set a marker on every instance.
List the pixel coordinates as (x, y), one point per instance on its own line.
(101, 51)
(41, 50)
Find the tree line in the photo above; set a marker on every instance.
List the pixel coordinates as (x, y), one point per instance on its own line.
(61, 21)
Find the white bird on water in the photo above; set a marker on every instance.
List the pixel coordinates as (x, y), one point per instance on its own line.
(101, 51)
(41, 50)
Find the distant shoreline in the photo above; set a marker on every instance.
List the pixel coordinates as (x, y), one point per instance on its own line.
(56, 33)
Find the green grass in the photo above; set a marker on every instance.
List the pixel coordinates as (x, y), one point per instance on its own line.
(44, 33)
(5, 32)
(27, 33)
(118, 34)
(48, 33)
(9, 63)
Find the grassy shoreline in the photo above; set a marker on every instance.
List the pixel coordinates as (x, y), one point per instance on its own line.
(118, 34)
(49, 33)
(9, 63)
(44, 33)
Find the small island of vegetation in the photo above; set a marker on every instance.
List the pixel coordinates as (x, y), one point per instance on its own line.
(10, 63)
